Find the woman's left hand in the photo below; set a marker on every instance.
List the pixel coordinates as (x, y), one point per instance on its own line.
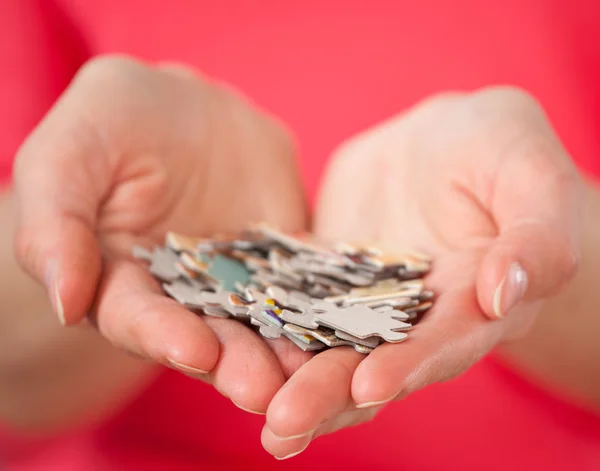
(481, 182)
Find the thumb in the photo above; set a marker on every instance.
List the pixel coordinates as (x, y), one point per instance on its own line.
(59, 180)
(537, 204)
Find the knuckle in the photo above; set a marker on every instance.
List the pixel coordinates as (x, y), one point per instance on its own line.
(356, 150)
(439, 101)
(385, 141)
(110, 76)
(543, 157)
(504, 95)
(507, 114)
(532, 148)
(109, 66)
(282, 139)
(180, 70)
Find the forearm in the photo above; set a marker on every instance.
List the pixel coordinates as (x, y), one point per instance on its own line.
(563, 349)
(50, 376)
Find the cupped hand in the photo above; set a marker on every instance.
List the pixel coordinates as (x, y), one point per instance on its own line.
(129, 152)
(479, 181)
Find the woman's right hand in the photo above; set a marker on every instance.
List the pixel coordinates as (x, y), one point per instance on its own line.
(129, 152)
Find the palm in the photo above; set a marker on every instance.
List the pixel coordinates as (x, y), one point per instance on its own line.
(200, 188)
(427, 211)
(149, 151)
(430, 181)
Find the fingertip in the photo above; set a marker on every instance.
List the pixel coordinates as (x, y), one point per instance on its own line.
(283, 449)
(247, 372)
(283, 418)
(319, 390)
(65, 257)
(501, 283)
(195, 354)
(185, 368)
(134, 314)
(57, 304)
(187, 344)
(245, 409)
(530, 260)
(72, 292)
(372, 383)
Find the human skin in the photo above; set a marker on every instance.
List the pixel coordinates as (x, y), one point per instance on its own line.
(128, 152)
(131, 151)
(481, 182)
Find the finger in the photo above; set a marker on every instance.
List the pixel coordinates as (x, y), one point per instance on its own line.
(289, 356)
(447, 341)
(534, 197)
(134, 314)
(285, 449)
(537, 250)
(61, 174)
(347, 419)
(72, 162)
(57, 197)
(318, 391)
(248, 372)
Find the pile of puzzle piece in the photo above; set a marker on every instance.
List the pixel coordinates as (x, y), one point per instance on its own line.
(317, 295)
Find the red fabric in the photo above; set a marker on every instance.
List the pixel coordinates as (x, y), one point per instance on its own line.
(329, 69)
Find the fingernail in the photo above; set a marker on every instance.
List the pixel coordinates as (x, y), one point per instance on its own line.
(294, 437)
(291, 455)
(58, 305)
(53, 291)
(247, 410)
(187, 368)
(511, 290)
(365, 405)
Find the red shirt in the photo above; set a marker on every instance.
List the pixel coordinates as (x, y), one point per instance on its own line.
(329, 69)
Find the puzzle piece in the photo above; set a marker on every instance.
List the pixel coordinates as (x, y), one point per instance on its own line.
(271, 316)
(260, 303)
(238, 306)
(293, 244)
(215, 311)
(141, 253)
(325, 336)
(296, 286)
(307, 347)
(370, 342)
(183, 293)
(162, 261)
(228, 271)
(329, 339)
(193, 264)
(181, 243)
(422, 307)
(300, 333)
(200, 282)
(278, 262)
(304, 316)
(226, 301)
(268, 331)
(398, 303)
(361, 321)
(192, 298)
(363, 349)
